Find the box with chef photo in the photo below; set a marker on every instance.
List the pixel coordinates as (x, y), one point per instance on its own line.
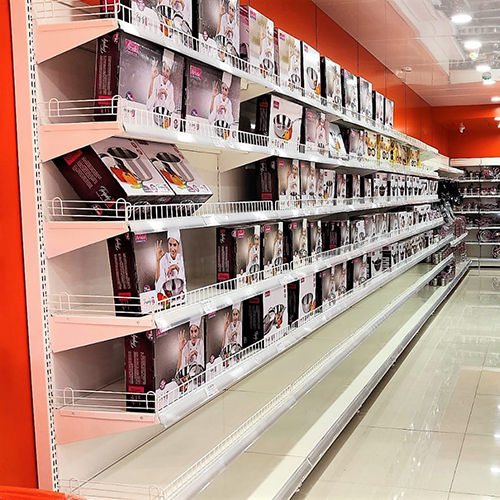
(365, 91)
(370, 226)
(219, 28)
(393, 221)
(113, 169)
(316, 132)
(408, 248)
(331, 82)
(433, 187)
(295, 247)
(223, 337)
(353, 186)
(367, 186)
(393, 185)
(380, 190)
(340, 279)
(357, 270)
(410, 219)
(301, 298)
(238, 253)
(388, 113)
(325, 287)
(390, 256)
(257, 42)
(271, 236)
(424, 187)
(147, 266)
(275, 312)
(343, 232)
(315, 237)
(402, 251)
(212, 101)
(381, 224)
(164, 360)
(341, 187)
(402, 186)
(311, 71)
(281, 121)
(308, 183)
(409, 186)
(358, 231)
(402, 220)
(384, 148)
(187, 185)
(375, 263)
(415, 157)
(325, 184)
(354, 141)
(350, 94)
(378, 108)
(288, 61)
(337, 146)
(371, 145)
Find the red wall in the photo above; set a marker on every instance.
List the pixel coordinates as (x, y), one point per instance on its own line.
(17, 448)
(412, 115)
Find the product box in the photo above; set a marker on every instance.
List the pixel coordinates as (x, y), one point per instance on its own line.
(257, 41)
(365, 92)
(409, 186)
(281, 121)
(343, 232)
(424, 187)
(393, 221)
(187, 185)
(388, 113)
(393, 185)
(384, 148)
(380, 190)
(288, 61)
(295, 247)
(316, 132)
(356, 272)
(340, 279)
(402, 186)
(381, 224)
(253, 326)
(271, 237)
(354, 141)
(301, 297)
(223, 336)
(371, 145)
(331, 82)
(325, 287)
(212, 101)
(402, 220)
(219, 27)
(337, 146)
(149, 77)
(350, 98)
(308, 180)
(341, 188)
(375, 263)
(325, 184)
(358, 231)
(112, 169)
(238, 252)
(328, 235)
(390, 256)
(278, 179)
(410, 220)
(415, 158)
(353, 186)
(160, 361)
(370, 226)
(315, 237)
(311, 71)
(402, 251)
(367, 186)
(378, 108)
(275, 312)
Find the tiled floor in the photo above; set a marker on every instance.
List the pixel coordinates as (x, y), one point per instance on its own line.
(431, 430)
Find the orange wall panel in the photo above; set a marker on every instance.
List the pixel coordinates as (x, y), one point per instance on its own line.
(17, 447)
(372, 69)
(395, 90)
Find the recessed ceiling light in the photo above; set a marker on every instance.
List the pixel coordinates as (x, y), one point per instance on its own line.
(472, 44)
(483, 68)
(461, 18)
(495, 99)
(497, 119)
(489, 82)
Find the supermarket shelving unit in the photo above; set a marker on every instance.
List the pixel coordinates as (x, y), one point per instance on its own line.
(481, 208)
(79, 413)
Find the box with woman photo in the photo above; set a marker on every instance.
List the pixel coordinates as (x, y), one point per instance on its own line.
(288, 61)
(308, 180)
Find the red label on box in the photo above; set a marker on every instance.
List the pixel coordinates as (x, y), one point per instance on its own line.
(267, 229)
(282, 36)
(135, 388)
(268, 293)
(70, 158)
(253, 14)
(255, 300)
(240, 233)
(131, 46)
(223, 276)
(140, 238)
(267, 196)
(195, 72)
(276, 104)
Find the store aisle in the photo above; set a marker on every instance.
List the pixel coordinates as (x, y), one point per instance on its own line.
(431, 429)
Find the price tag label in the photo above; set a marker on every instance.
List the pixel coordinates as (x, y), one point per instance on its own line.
(211, 390)
(209, 307)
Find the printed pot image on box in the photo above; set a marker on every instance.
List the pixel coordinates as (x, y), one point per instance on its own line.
(219, 28)
(308, 180)
(311, 71)
(288, 61)
(336, 142)
(148, 76)
(325, 287)
(331, 82)
(301, 298)
(271, 236)
(212, 101)
(315, 237)
(325, 184)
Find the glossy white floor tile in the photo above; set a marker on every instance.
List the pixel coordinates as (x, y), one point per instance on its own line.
(485, 416)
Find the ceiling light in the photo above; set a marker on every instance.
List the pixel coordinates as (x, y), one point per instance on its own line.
(497, 119)
(461, 18)
(489, 82)
(472, 44)
(495, 99)
(474, 55)
(483, 68)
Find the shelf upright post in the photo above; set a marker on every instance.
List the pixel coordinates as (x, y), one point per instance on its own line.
(29, 164)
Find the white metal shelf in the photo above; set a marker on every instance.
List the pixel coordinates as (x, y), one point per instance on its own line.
(476, 212)
(474, 228)
(73, 224)
(484, 261)
(481, 195)
(479, 180)
(493, 243)
(62, 27)
(459, 239)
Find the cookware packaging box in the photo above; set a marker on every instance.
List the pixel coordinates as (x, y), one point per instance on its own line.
(343, 233)
(308, 178)
(380, 190)
(337, 146)
(375, 263)
(367, 186)
(393, 186)
(315, 237)
(354, 140)
(288, 61)
(371, 146)
(311, 71)
(281, 121)
(147, 266)
(219, 28)
(365, 91)
(381, 224)
(415, 158)
(402, 185)
(316, 133)
(331, 82)
(224, 337)
(295, 241)
(340, 279)
(358, 231)
(390, 256)
(301, 297)
(328, 235)
(384, 148)
(275, 310)
(212, 101)
(257, 42)
(370, 226)
(325, 287)
(402, 251)
(113, 169)
(341, 188)
(325, 184)
(278, 179)
(179, 174)
(357, 270)
(271, 236)
(350, 95)
(253, 326)
(378, 108)
(393, 221)
(238, 252)
(388, 113)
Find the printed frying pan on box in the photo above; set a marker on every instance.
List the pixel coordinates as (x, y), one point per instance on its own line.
(312, 78)
(283, 126)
